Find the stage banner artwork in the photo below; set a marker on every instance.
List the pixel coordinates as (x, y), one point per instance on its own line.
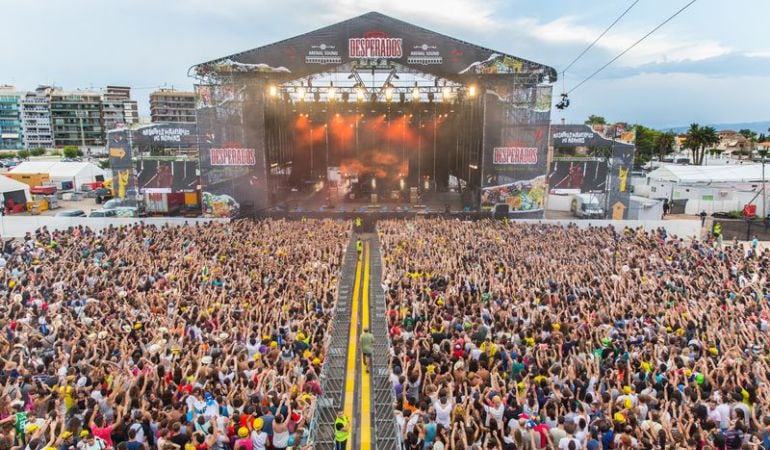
(590, 176)
(154, 176)
(231, 153)
(166, 135)
(119, 148)
(620, 194)
(123, 183)
(515, 148)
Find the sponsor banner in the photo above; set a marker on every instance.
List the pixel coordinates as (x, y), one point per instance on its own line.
(166, 134)
(233, 175)
(515, 155)
(588, 176)
(375, 48)
(232, 157)
(569, 136)
(515, 149)
(119, 149)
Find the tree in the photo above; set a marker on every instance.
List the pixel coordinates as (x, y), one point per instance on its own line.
(596, 120)
(698, 139)
(22, 154)
(762, 137)
(37, 152)
(645, 144)
(70, 151)
(664, 144)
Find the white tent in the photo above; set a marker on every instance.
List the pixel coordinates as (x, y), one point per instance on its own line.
(64, 171)
(737, 173)
(15, 190)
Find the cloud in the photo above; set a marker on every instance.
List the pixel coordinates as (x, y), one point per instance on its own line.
(660, 47)
(726, 65)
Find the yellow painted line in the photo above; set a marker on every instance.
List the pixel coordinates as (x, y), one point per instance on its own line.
(366, 389)
(350, 381)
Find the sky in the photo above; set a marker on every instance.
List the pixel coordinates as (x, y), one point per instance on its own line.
(711, 64)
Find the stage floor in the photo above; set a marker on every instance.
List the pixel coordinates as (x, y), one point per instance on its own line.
(321, 201)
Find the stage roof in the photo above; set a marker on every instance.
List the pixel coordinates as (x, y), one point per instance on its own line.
(376, 40)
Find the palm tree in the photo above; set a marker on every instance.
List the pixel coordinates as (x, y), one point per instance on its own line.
(664, 143)
(698, 138)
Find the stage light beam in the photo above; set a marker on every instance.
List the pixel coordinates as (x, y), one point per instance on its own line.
(332, 94)
(446, 93)
(272, 91)
(301, 92)
(360, 94)
(389, 93)
(415, 94)
(472, 90)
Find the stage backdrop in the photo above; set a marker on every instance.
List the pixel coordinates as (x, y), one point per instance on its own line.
(231, 143)
(587, 175)
(514, 160)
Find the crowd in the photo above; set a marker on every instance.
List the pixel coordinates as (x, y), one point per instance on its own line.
(508, 336)
(208, 337)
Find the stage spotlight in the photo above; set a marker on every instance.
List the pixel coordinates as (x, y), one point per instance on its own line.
(360, 94)
(332, 94)
(446, 93)
(388, 93)
(472, 90)
(415, 94)
(301, 91)
(272, 90)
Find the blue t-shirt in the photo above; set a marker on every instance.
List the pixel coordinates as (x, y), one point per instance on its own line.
(430, 433)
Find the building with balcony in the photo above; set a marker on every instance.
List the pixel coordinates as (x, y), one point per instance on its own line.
(172, 106)
(36, 118)
(77, 118)
(11, 136)
(118, 110)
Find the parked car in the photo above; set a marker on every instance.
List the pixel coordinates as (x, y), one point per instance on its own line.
(71, 213)
(103, 213)
(129, 211)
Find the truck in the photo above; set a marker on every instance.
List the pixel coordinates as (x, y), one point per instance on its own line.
(163, 204)
(587, 206)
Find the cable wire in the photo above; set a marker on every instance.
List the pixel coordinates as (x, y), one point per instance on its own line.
(599, 37)
(632, 46)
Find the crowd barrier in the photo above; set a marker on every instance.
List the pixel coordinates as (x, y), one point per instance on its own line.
(18, 226)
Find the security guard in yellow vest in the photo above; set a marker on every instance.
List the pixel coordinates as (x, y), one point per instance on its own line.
(358, 224)
(717, 230)
(359, 247)
(341, 431)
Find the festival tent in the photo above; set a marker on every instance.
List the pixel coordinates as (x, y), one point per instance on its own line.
(66, 175)
(14, 190)
(738, 173)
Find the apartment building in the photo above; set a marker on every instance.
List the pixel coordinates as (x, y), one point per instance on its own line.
(11, 136)
(118, 110)
(77, 118)
(36, 118)
(172, 106)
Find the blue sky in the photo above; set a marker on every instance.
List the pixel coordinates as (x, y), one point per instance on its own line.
(710, 64)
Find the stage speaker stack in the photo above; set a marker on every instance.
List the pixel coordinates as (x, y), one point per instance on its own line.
(414, 195)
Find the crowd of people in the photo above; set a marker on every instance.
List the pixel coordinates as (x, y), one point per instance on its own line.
(207, 337)
(509, 336)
